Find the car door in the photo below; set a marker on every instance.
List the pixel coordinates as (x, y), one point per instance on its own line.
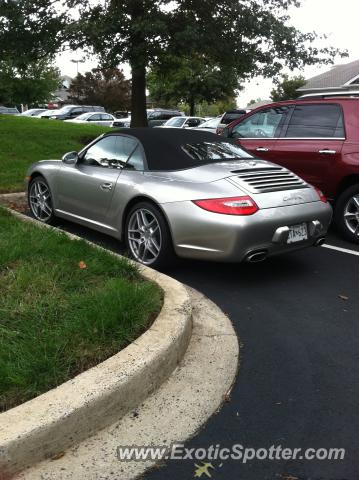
(95, 118)
(85, 189)
(106, 119)
(312, 141)
(258, 133)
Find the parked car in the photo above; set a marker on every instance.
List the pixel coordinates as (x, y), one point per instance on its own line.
(72, 111)
(183, 122)
(33, 112)
(124, 122)
(96, 118)
(155, 117)
(159, 116)
(228, 117)
(318, 139)
(210, 125)
(202, 197)
(48, 113)
(9, 111)
(121, 114)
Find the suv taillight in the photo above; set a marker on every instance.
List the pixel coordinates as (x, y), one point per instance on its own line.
(229, 206)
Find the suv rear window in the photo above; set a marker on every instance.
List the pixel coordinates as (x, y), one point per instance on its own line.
(316, 121)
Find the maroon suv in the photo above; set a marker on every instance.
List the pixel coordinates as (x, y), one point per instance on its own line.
(316, 138)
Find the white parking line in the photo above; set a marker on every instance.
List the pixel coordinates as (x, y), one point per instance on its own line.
(339, 249)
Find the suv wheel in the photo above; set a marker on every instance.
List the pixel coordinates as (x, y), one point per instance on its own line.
(346, 216)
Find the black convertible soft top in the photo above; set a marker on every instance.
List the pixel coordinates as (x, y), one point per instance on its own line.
(165, 148)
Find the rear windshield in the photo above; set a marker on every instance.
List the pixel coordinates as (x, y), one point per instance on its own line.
(211, 152)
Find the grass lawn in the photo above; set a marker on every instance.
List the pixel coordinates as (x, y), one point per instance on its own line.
(27, 140)
(64, 307)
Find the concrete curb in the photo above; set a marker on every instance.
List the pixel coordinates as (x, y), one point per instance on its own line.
(49, 424)
(171, 415)
(13, 196)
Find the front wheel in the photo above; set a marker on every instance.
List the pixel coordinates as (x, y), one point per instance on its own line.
(346, 215)
(148, 237)
(40, 200)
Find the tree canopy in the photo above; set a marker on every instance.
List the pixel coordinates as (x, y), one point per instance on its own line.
(287, 88)
(191, 80)
(33, 85)
(108, 88)
(246, 37)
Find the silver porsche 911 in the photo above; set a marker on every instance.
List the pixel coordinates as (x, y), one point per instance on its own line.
(170, 192)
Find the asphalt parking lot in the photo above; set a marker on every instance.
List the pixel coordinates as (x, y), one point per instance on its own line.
(296, 316)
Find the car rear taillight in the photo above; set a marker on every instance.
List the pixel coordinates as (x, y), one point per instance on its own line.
(229, 206)
(321, 195)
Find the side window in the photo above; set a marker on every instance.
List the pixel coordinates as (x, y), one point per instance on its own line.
(125, 146)
(167, 116)
(263, 124)
(105, 153)
(311, 121)
(106, 116)
(193, 122)
(94, 118)
(155, 116)
(136, 159)
(76, 111)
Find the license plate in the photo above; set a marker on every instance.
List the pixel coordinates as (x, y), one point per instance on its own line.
(297, 233)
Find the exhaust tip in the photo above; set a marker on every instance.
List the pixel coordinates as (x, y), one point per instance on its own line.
(256, 257)
(319, 242)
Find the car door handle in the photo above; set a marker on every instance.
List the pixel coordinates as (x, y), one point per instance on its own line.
(262, 149)
(106, 186)
(326, 151)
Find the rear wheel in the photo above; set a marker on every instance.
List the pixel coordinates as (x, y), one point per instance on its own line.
(346, 216)
(148, 237)
(40, 200)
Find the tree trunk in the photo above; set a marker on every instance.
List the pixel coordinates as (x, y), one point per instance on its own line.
(138, 96)
(192, 107)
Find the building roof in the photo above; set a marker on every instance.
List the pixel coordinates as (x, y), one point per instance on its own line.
(336, 77)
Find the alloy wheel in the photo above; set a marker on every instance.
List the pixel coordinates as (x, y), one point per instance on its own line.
(351, 215)
(40, 200)
(144, 236)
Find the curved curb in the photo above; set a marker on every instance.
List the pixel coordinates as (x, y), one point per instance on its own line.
(45, 426)
(171, 415)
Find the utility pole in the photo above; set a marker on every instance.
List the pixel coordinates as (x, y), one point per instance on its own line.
(77, 64)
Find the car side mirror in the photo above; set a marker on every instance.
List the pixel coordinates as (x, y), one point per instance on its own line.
(70, 158)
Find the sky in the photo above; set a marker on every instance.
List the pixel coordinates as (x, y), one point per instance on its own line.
(338, 20)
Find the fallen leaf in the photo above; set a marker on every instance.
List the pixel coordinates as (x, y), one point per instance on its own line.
(227, 398)
(58, 456)
(82, 265)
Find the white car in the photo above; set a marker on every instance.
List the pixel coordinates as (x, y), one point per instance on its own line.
(183, 122)
(33, 112)
(47, 113)
(96, 118)
(209, 126)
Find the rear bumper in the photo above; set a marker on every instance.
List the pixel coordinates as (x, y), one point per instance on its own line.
(200, 234)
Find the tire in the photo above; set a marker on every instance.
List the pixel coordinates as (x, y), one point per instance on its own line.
(40, 200)
(346, 214)
(148, 238)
